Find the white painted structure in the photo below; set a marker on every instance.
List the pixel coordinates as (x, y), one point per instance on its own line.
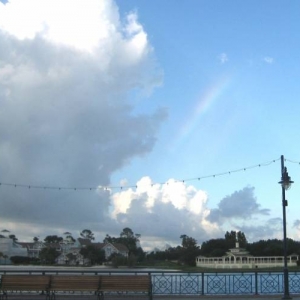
(240, 258)
(10, 248)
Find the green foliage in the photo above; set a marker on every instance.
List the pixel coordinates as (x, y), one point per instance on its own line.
(214, 247)
(273, 247)
(118, 260)
(130, 240)
(188, 251)
(132, 260)
(71, 258)
(53, 239)
(230, 238)
(93, 254)
(219, 247)
(13, 237)
(48, 256)
(70, 239)
(127, 233)
(18, 260)
(87, 234)
(188, 242)
(184, 254)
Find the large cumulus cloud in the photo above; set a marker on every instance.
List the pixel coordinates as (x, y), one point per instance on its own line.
(163, 213)
(67, 69)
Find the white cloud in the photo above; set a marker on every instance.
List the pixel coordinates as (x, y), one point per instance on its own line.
(223, 58)
(66, 70)
(164, 212)
(269, 60)
(76, 23)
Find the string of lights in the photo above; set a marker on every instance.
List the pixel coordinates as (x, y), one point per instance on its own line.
(120, 187)
(292, 161)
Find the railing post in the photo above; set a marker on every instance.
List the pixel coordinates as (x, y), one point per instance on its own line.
(256, 282)
(202, 283)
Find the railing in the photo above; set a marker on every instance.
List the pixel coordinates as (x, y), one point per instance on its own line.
(257, 283)
(204, 283)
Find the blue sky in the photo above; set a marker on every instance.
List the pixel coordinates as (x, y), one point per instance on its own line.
(230, 73)
(149, 92)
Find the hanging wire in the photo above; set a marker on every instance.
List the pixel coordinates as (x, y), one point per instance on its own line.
(107, 188)
(292, 161)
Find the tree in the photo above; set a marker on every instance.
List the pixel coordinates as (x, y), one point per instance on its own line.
(48, 255)
(87, 234)
(35, 239)
(130, 240)
(189, 250)
(232, 237)
(273, 247)
(53, 239)
(13, 237)
(71, 257)
(70, 239)
(118, 260)
(20, 260)
(214, 248)
(127, 233)
(109, 239)
(93, 254)
(188, 242)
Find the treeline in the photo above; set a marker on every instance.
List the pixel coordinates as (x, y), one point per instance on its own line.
(187, 252)
(91, 252)
(184, 254)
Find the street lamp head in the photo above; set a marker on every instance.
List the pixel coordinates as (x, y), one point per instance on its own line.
(286, 181)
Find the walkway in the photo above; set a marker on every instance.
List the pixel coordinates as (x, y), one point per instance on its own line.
(171, 297)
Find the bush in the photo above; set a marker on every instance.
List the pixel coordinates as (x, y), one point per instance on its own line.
(18, 260)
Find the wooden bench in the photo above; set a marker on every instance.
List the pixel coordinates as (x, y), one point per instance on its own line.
(50, 284)
(74, 283)
(38, 283)
(126, 283)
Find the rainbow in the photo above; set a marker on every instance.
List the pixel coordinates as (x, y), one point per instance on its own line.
(202, 105)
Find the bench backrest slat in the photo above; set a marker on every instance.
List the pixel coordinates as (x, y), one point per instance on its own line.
(76, 282)
(126, 283)
(25, 282)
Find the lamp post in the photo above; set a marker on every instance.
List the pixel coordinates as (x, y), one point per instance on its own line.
(285, 185)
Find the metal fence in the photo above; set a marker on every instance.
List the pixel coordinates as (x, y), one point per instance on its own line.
(257, 283)
(204, 283)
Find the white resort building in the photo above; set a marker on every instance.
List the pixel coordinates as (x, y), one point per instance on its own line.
(8, 248)
(240, 258)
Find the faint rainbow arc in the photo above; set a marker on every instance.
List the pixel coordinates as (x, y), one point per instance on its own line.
(202, 105)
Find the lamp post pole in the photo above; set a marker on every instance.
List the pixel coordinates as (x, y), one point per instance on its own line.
(285, 184)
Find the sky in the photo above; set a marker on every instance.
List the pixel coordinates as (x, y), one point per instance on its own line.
(165, 117)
